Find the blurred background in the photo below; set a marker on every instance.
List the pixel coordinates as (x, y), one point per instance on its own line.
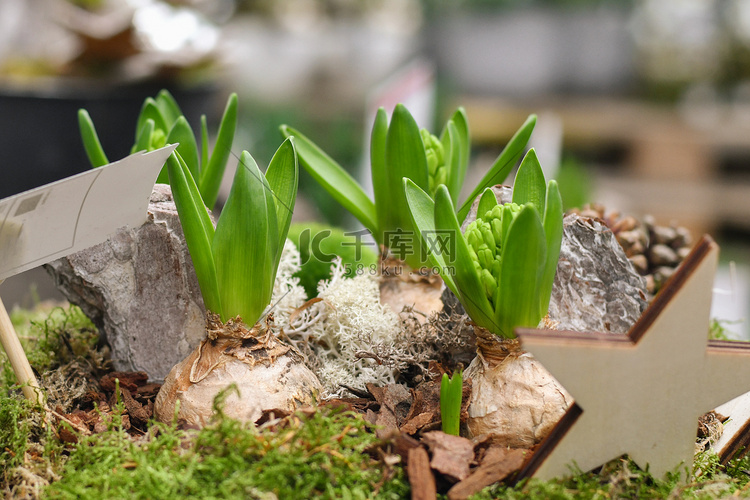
(643, 105)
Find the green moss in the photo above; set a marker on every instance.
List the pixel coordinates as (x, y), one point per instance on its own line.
(15, 430)
(50, 337)
(621, 478)
(319, 456)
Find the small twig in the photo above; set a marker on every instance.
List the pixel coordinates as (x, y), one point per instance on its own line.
(84, 430)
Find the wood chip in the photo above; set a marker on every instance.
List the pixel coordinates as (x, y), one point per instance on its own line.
(490, 472)
(451, 455)
(420, 476)
(128, 380)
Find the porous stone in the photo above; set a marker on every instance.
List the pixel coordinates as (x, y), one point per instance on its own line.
(596, 288)
(139, 288)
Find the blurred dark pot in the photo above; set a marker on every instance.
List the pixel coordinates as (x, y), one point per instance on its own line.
(39, 136)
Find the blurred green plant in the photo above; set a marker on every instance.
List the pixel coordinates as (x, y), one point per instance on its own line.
(398, 150)
(451, 393)
(574, 181)
(503, 267)
(319, 244)
(161, 122)
(236, 263)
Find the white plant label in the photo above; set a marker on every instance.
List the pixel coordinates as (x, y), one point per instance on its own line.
(63, 217)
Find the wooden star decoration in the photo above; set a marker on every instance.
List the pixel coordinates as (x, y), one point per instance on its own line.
(641, 394)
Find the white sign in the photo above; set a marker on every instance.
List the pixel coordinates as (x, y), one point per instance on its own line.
(57, 219)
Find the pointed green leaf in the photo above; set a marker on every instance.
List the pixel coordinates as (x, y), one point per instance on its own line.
(454, 155)
(530, 185)
(282, 175)
(451, 393)
(404, 157)
(213, 172)
(198, 229)
(244, 244)
(422, 210)
(378, 171)
(143, 142)
(553, 233)
(204, 143)
(168, 106)
(461, 123)
(91, 143)
(459, 261)
(182, 133)
(487, 202)
(150, 110)
(334, 179)
(503, 164)
(521, 267)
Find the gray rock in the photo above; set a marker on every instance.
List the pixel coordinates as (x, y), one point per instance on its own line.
(662, 255)
(139, 288)
(596, 288)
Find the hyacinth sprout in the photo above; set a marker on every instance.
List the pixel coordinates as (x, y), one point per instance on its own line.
(398, 150)
(503, 267)
(161, 122)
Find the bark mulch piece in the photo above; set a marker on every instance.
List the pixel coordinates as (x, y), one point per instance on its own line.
(451, 455)
(495, 468)
(128, 380)
(420, 475)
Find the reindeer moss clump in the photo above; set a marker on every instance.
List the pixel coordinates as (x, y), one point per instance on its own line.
(321, 454)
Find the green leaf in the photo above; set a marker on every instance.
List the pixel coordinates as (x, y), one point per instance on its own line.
(334, 179)
(143, 142)
(487, 202)
(404, 157)
(182, 133)
(168, 106)
(91, 143)
(503, 164)
(213, 172)
(553, 233)
(461, 122)
(204, 143)
(282, 175)
(422, 210)
(454, 155)
(151, 111)
(451, 393)
(458, 259)
(244, 244)
(198, 229)
(378, 170)
(529, 186)
(521, 266)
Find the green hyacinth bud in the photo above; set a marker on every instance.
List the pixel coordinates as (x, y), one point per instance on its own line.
(436, 168)
(486, 257)
(473, 236)
(158, 139)
(487, 236)
(489, 282)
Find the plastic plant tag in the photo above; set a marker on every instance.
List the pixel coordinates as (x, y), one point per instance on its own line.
(63, 217)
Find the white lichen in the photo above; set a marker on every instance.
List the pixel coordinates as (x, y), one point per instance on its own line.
(288, 294)
(349, 338)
